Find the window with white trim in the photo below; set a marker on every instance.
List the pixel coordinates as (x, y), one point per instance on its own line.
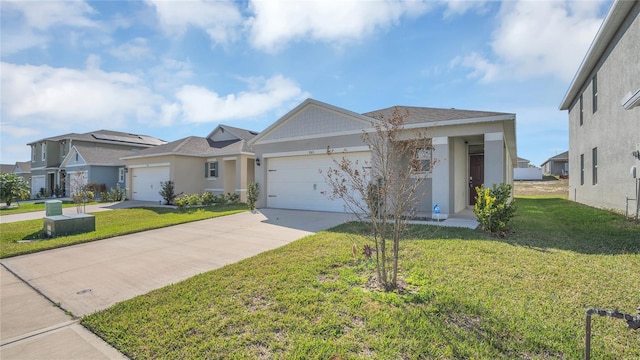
(121, 175)
(581, 111)
(33, 153)
(44, 151)
(211, 169)
(422, 161)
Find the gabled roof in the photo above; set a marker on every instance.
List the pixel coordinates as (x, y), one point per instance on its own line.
(107, 136)
(23, 166)
(424, 115)
(241, 134)
(615, 17)
(560, 157)
(305, 104)
(97, 156)
(523, 159)
(201, 147)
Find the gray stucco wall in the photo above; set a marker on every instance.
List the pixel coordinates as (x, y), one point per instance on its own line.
(613, 130)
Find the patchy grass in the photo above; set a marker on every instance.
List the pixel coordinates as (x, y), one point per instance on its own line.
(550, 187)
(108, 224)
(466, 295)
(19, 208)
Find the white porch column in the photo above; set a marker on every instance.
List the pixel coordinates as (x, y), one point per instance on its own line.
(440, 177)
(494, 159)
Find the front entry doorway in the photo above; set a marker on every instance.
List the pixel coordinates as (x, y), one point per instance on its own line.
(476, 175)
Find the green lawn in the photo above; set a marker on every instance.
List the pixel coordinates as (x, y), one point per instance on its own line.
(467, 296)
(108, 224)
(18, 208)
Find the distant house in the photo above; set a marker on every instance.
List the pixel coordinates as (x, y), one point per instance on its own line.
(23, 169)
(556, 165)
(603, 101)
(526, 171)
(58, 162)
(522, 163)
(221, 163)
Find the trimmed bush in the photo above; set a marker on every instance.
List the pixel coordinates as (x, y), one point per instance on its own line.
(494, 208)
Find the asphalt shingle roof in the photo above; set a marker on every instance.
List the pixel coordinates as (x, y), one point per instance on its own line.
(102, 156)
(420, 115)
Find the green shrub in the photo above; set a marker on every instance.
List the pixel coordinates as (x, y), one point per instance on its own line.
(207, 199)
(167, 192)
(232, 198)
(494, 208)
(181, 201)
(252, 195)
(116, 194)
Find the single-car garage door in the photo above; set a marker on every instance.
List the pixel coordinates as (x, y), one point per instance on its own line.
(146, 182)
(37, 183)
(295, 182)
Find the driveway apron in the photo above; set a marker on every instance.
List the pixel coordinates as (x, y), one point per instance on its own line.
(90, 277)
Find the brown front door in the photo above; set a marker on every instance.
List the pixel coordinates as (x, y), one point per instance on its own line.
(476, 176)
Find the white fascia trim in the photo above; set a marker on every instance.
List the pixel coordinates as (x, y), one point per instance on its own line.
(38, 176)
(631, 100)
(316, 152)
(229, 158)
(39, 168)
(148, 165)
(75, 165)
(241, 190)
(318, 136)
(178, 154)
(461, 121)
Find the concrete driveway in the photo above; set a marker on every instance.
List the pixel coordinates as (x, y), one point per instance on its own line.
(90, 277)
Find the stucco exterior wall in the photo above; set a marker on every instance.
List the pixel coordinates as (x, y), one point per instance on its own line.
(613, 130)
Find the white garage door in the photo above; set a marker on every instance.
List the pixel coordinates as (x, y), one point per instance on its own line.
(146, 182)
(295, 182)
(37, 183)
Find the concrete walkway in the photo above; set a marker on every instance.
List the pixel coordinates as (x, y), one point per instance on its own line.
(72, 210)
(93, 276)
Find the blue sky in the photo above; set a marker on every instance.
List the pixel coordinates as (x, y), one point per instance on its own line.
(172, 69)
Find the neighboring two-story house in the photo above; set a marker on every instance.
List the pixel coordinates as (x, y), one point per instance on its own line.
(60, 161)
(604, 113)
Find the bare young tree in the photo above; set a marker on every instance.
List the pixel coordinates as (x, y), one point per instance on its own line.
(79, 191)
(384, 191)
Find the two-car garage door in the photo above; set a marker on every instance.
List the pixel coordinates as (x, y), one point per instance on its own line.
(295, 182)
(146, 182)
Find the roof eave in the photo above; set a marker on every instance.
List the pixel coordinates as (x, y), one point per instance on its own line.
(615, 17)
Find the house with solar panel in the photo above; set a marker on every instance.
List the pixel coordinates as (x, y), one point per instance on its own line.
(87, 158)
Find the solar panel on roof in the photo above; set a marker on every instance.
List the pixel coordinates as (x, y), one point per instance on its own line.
(127, 139)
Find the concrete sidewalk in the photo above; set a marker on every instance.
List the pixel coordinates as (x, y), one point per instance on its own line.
(93, 276)
(33, 328)
(72, 210)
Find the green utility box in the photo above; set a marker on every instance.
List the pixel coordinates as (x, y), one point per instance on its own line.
(53, 207)
(62, 225)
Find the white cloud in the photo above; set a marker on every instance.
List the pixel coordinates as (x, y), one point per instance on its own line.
(200, 105)
(43, 15)
(17, 131)
(482, 68)
(275, 23)
(42, 95)
(134, 49)
(460, 7)
(220, 19)
(538, 38)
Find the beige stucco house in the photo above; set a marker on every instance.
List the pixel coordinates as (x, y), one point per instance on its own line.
(471, 148)
(223, 162)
